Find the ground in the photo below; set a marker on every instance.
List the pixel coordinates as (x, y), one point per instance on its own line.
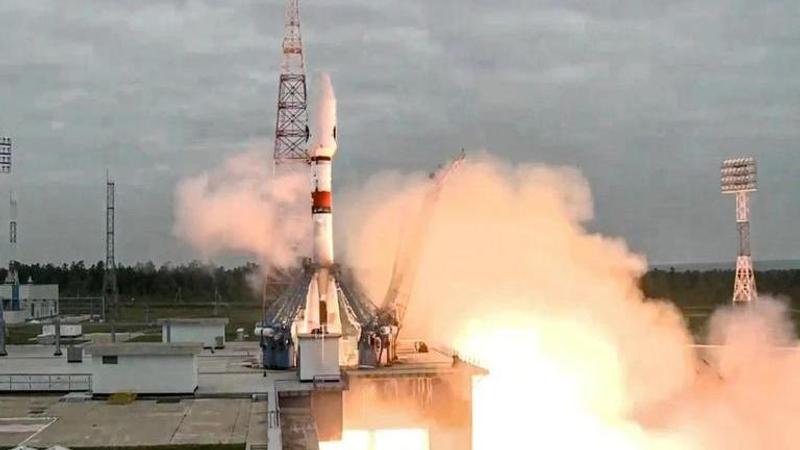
(43, 421)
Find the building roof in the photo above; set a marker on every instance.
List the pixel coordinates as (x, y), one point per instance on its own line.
(197, 320)
(146, 348)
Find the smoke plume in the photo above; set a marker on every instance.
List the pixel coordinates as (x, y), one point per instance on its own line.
(245, 206)
(242, 207)
(578, 357)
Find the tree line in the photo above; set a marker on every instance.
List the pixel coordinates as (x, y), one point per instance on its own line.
(197, 282)
(194, 282)
(709, 288)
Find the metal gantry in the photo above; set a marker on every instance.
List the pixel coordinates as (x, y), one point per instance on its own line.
(110, 290)
(291, 123)
(738, 177)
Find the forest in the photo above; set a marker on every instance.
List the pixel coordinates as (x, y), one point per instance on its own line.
(197, 282)
(177, 284)
(709, 288)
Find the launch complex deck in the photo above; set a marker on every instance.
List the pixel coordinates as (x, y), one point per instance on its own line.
(46, 401)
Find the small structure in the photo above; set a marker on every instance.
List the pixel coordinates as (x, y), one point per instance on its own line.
(69, 332)
(318, 358)
(209, 331)
(144, 368)
(23, 302)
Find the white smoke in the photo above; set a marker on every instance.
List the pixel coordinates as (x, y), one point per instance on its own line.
(578, 357)
(242, 207)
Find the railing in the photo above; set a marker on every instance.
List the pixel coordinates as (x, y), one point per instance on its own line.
(56, 382)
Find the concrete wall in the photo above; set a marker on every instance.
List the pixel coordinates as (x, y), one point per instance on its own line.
(39, 308)
(318, 357)
(41, 291)
(35, 301)
(14, 317)
(194, 332)
(438, 407)
(67, 330)
(145, 374)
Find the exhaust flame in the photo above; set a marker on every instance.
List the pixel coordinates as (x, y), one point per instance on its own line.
(510, 276)
(410, 439)
(578, 358)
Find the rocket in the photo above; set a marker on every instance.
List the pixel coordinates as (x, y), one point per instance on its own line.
(322, 302)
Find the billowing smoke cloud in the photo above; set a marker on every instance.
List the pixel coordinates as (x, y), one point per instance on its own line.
(241, 207)
(245, 206)
(578, 358)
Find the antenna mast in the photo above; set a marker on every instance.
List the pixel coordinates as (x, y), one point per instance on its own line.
(738, 176)
(110, 291)
(291, 124)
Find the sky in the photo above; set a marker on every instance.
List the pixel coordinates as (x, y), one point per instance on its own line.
(645, 98)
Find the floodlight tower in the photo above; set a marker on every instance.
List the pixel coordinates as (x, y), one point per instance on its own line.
(13, 275)
(738, 176)
(291, 123)
(5, 167)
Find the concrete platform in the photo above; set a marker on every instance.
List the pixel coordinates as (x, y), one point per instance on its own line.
(97, 423)
(235, 402)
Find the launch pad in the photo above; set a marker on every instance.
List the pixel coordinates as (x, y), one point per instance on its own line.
(428, 392)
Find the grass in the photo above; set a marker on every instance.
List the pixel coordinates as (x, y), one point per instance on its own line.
(22, 334)
(245, 316)
(122, 398)
(147, 337)
(239, 316)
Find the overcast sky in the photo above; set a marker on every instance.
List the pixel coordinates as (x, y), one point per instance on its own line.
(645, 97)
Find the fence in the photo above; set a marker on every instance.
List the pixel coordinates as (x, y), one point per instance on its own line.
(55, 382)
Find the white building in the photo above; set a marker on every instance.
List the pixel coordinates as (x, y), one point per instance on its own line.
(209, 331)
(144, 368)
(318, 357)
(23, 302)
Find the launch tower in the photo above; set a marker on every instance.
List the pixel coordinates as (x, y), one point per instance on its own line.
(291, 125)
(110, 291)
(738, 176)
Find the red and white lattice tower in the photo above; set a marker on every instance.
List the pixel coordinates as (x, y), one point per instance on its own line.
(738, 176)
(291, 124)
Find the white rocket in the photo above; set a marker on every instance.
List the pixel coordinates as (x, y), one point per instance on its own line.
(322, 303)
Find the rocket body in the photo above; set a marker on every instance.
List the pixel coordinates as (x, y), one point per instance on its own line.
(322, 303)
(322, 210)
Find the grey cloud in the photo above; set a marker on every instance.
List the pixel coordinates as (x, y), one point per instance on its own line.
(645, 97)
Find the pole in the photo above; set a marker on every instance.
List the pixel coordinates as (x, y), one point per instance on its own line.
(5, 168)
(3, 351)
(58, 336)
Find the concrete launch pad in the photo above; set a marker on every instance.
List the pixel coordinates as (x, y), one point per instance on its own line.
(43, 421)
(236, 402)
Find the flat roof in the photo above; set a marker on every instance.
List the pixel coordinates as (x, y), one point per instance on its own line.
(146, 348)
(196, 320)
